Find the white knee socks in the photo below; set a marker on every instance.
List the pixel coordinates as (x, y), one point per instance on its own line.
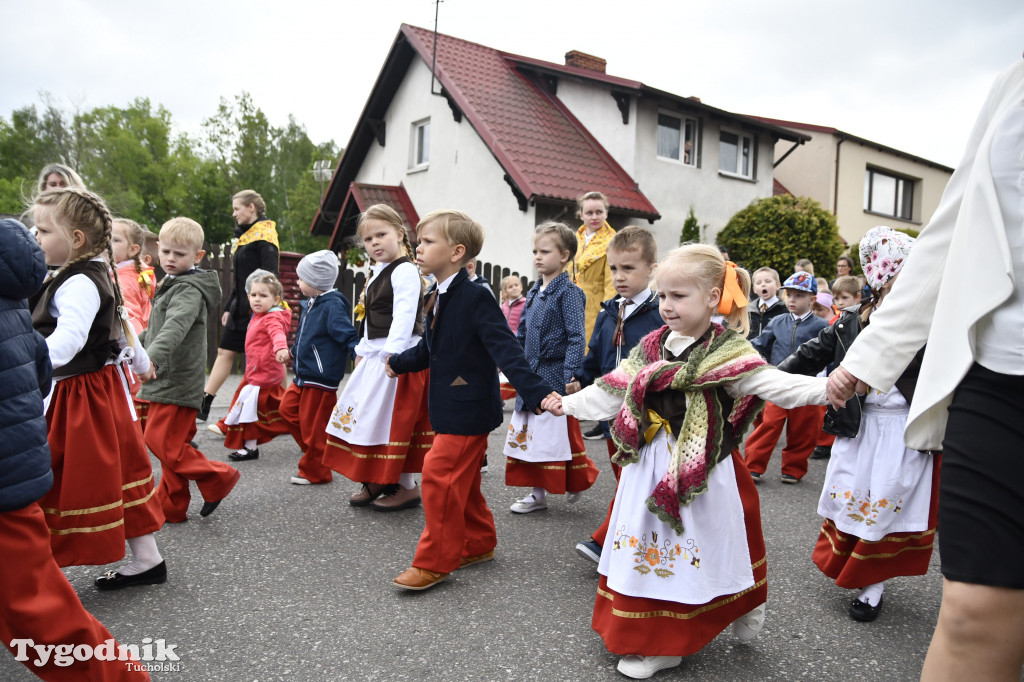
(145, 555)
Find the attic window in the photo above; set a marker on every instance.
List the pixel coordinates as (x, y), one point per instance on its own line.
(419, 145)
(736, 154)
(677, 138)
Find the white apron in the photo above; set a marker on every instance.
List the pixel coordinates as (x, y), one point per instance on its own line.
(538, 438)
(875, 485)
(644, 557)
(244, 409)
(363, 413)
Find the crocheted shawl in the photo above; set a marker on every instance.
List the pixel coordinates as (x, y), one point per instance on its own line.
(720, 357)
(264, 230)
(588, 252)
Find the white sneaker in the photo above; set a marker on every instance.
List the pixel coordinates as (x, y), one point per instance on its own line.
(748, 625)
(642, 667)
(299, 480)
(213, 427)
(528, 504)
(573, 498)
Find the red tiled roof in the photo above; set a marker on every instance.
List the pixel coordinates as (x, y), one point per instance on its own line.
(395, 196)
(778, 188)
(544, 149)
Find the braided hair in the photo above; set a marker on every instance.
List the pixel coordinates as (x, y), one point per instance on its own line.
(75, 208)
(136, 235)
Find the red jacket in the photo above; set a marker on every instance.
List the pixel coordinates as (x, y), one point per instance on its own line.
(267, 334)
(513, 311)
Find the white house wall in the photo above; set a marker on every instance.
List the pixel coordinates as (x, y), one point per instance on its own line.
(598, 112)
(462, 174)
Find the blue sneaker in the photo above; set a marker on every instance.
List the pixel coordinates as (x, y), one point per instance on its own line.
(589, 550)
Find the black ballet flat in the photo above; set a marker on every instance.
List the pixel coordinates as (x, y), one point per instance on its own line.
(112, 580)
(208, 508)
(250, 453)
(865, 612)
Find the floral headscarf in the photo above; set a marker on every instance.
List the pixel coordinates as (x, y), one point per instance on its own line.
(883, 253)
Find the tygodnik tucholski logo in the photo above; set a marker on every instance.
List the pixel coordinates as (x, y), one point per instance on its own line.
(153, 655)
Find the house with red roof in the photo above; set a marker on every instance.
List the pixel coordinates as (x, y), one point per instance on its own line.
(863, 183)
(513, 140)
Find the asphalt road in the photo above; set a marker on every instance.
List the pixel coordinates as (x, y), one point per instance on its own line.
(290, 582)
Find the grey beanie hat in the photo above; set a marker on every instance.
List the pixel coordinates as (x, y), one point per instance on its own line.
(319, 270)
(253, 275)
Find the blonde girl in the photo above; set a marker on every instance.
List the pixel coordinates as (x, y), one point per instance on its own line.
(685, 541)
(253, 418)
(591, 262)
(138, 284)
(103, 483)
(380, 431)
(544, 453)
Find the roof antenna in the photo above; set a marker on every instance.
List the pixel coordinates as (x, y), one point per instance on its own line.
(433, 63)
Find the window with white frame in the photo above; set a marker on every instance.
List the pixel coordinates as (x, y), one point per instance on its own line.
(677, 138)
(419, 145)
(736, 153)
(888, 194)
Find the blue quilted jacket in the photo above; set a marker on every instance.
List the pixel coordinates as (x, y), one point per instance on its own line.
(25, 373)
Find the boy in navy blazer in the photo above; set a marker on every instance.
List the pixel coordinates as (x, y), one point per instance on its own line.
(466, 340)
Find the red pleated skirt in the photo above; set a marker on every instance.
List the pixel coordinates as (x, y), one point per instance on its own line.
(409, 439)
(654, 627)
(854, 563)
(103, 488)
(573, 476)
(265, 429)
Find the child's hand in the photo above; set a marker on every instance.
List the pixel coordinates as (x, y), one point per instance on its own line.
(148, 375)
(282, 355)
(359, 358)
(387, 368)
(553, 404)
(573, 387)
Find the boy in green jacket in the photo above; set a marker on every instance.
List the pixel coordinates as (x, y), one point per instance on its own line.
(176, 342)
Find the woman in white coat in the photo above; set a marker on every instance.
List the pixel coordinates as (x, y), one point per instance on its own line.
(962, 292)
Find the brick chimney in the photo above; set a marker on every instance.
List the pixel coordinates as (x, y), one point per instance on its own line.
(585, 61)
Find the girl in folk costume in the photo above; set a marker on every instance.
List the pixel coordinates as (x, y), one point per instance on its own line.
(880, 498)
(685, 557)
(138, 285)
(103, 483)
(380, 431)
(591, 264)
(253, 418)
(544, 452)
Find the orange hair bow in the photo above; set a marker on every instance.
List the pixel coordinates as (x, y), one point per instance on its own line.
(732, 296)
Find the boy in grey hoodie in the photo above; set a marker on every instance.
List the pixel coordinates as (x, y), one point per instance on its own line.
(176, 342)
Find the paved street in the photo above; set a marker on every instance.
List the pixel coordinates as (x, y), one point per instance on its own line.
(290, 582)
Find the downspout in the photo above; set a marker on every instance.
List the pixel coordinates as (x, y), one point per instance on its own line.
(835, 190)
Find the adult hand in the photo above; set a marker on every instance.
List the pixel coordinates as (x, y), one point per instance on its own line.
(842, 386)
(224, 319)
(282, 355)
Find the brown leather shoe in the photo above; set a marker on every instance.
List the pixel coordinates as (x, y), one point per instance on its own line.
(418, 579)
(367, 494)
(476, 559)
(400, 498)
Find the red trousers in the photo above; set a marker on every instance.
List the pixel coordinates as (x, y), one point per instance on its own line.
(306, 411)
(602, 530)
(169, 430)
(37, 602)
(803, 424)
(459, 523)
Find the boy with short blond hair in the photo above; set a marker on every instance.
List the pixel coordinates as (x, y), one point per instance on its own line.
(465, 340)
(622, 322)
(176, 343)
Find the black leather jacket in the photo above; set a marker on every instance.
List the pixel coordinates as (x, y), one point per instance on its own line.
(829, 349)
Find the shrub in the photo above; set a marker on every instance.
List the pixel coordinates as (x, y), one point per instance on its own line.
(778, 231)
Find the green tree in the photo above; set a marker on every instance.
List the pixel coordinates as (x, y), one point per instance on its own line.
(777, 231)
(692, 230)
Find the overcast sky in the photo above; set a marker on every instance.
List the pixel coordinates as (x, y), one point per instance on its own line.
(910, 74)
